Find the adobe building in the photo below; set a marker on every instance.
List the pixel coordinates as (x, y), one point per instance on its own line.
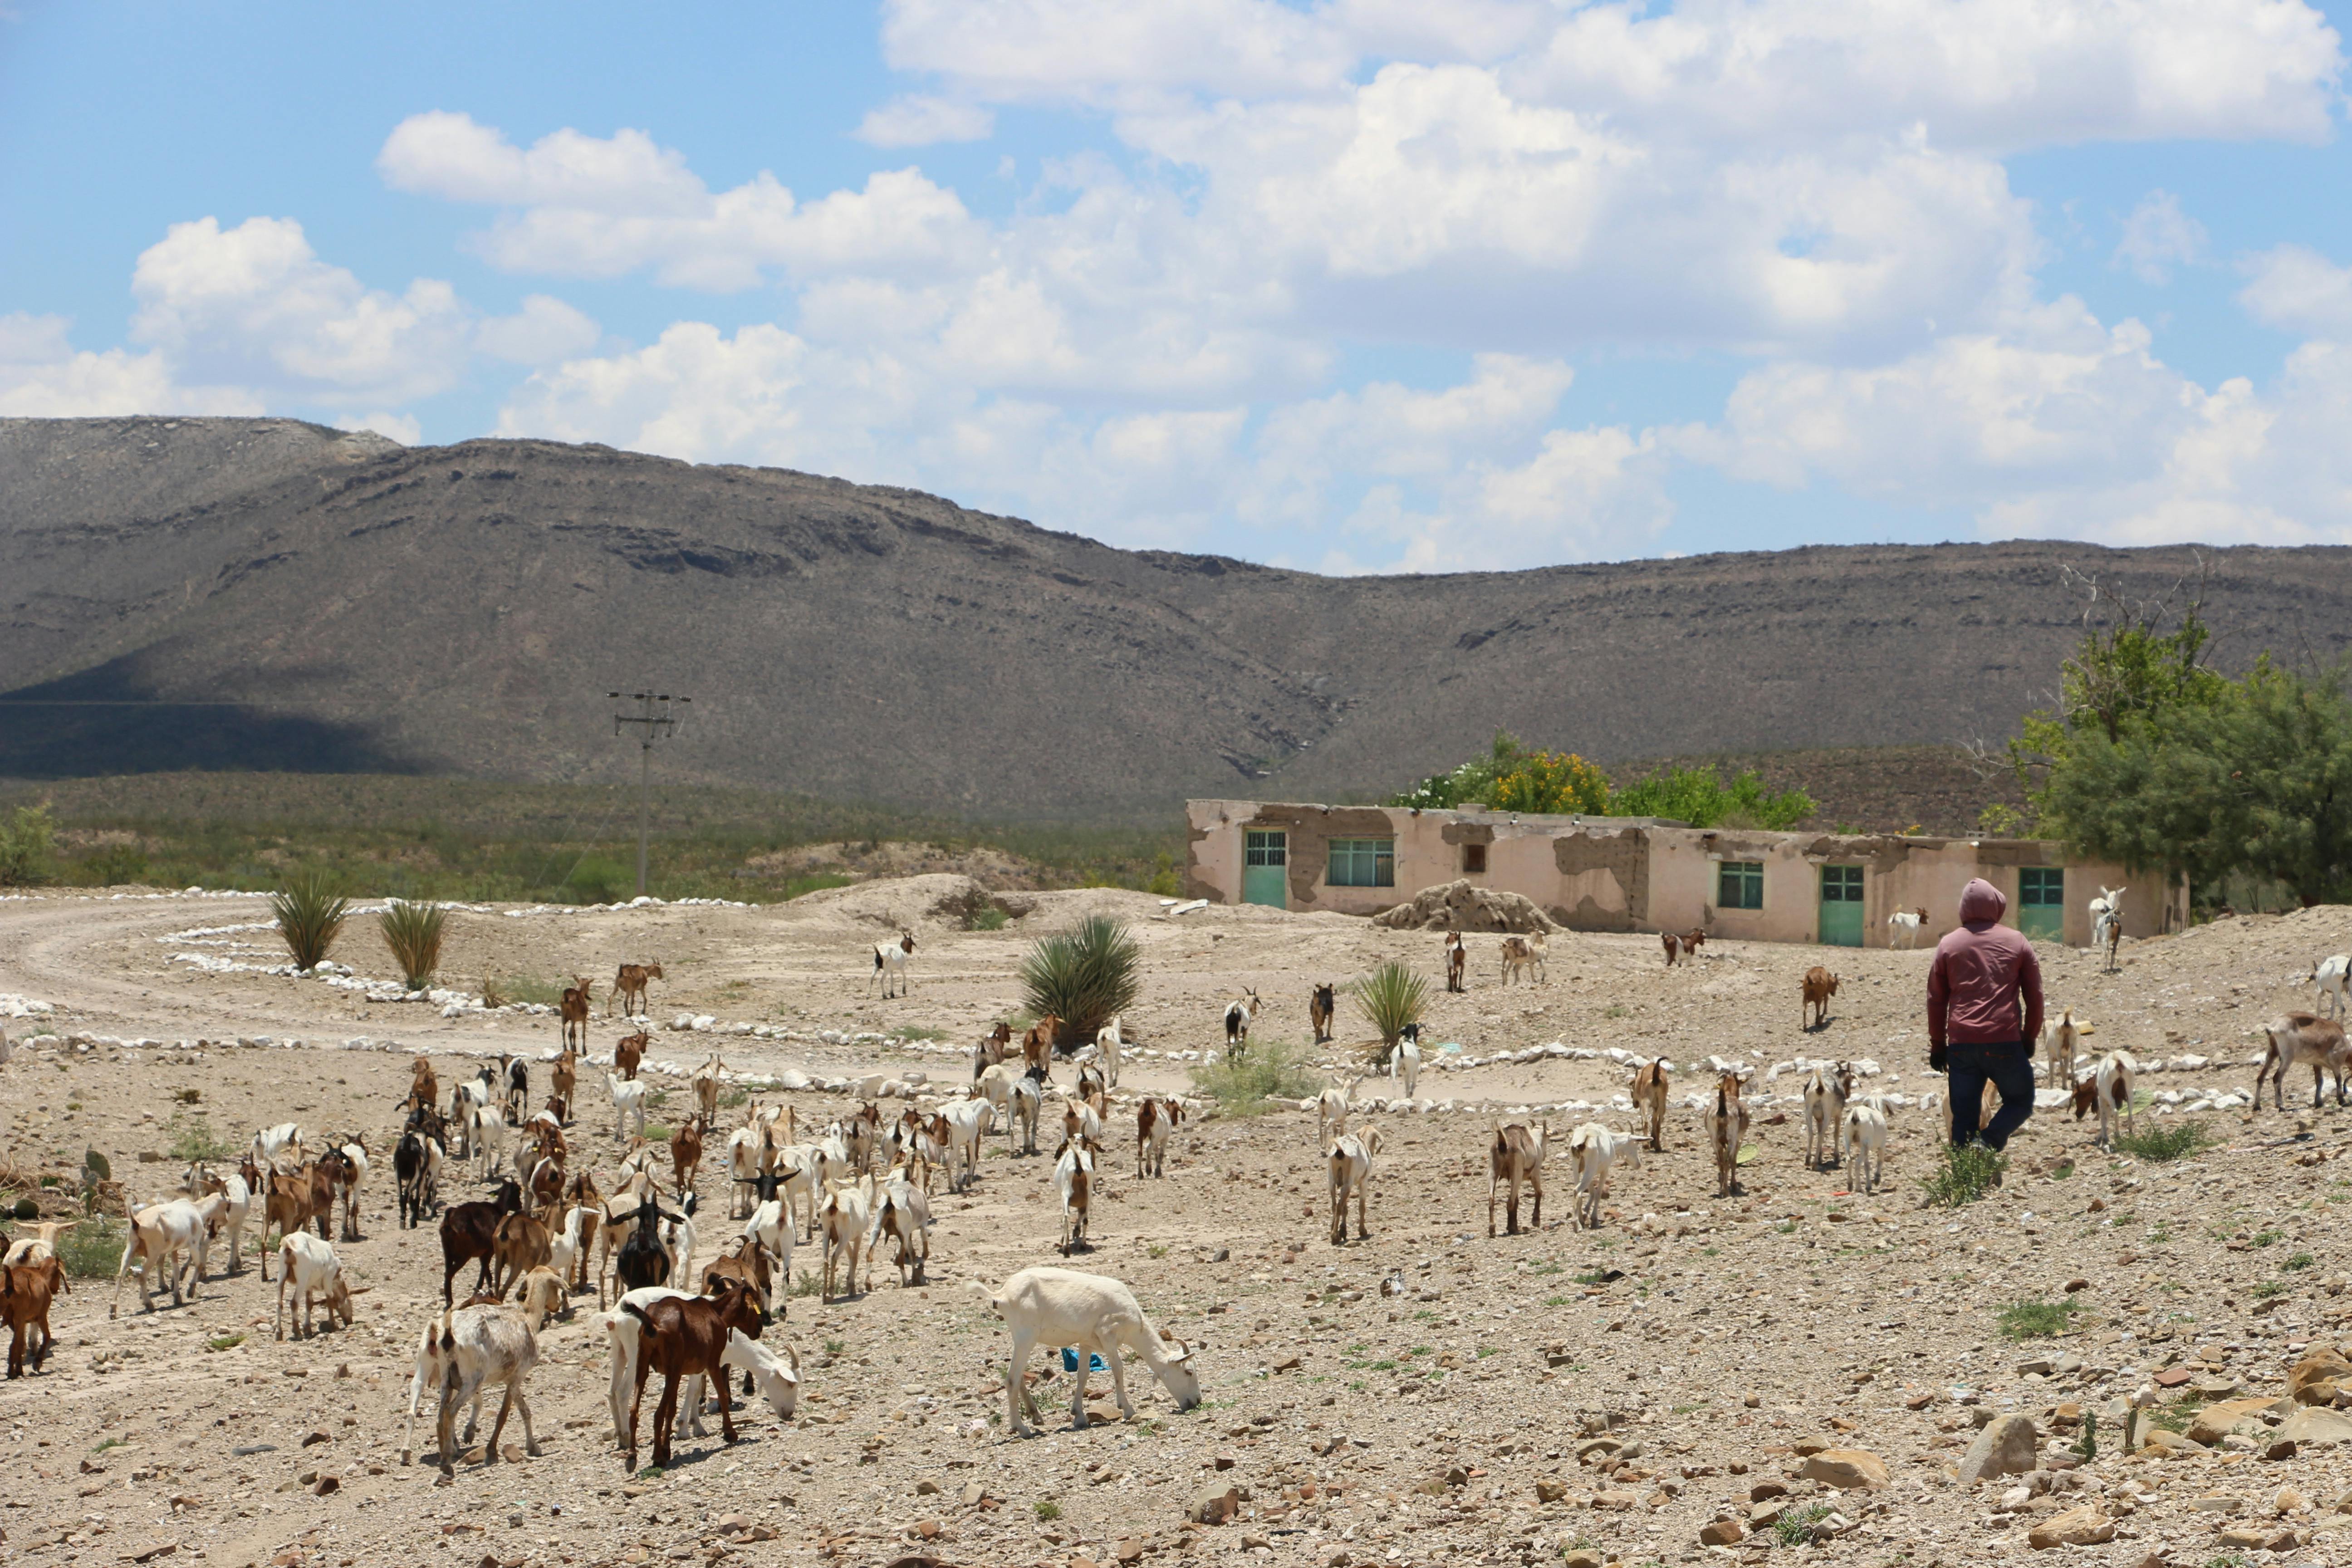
(1646, 874)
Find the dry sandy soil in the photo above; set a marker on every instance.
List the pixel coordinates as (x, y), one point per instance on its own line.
(1346, 1386)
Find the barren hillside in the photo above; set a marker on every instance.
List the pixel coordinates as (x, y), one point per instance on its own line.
(262, 593)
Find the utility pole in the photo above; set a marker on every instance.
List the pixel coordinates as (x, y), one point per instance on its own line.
(655, 719)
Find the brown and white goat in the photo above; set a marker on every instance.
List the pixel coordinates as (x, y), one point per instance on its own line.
(1155, 1121)
(1349, 1163)
(1727, 1128)
(1650, 1084)
(2108, 1090)
(682, 1339)
(1523, 954)
(1827, 1088)
(1516, 1155)
(2302, 1039)
(1682, 945)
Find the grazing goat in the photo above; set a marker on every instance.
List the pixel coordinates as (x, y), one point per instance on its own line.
(2302, 1039)
(1156, 1121)
(890, 964)
(237, 1199)
(683, 1338)
(1826, 1092)
(2108, 1090)
(518, 1079)
(573, 1008)
(841, 1219)
(1903, 927)
(628, 1106)
(2062, 1039)
(311, 1266)
(1866, 1132)
(1349, 1163)
(160, 1234)
(25, 1292)
(1523, 952)
(1727, 1130)
(1404, 1060)
(627, 1052)
(1682, 945)
(1596, 1151)
(1650, 1084)
(1322, 1002)
(1516, 1155)
(1096, 1316)
(1457, 962)
(629, 986)
(1820, 987)
(1073, 1178)
(901, 1213)
(463, 1352)
(470, 1232)
(1238, 1014)
(1108, 1043)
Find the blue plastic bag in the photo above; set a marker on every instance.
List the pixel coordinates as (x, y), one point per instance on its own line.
(1070, 1361)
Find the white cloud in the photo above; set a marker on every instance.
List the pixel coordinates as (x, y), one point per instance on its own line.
(919, 121)
(544, 331)
(43, 376)
(2157, 234)
(2298, 289)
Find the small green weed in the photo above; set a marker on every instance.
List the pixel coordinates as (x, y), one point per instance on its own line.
(987, 918)
(1047, 1508)
(1555, 1300)
(1269, 1071)
(2178, 1140)
(224, 1341)
(2038, 1320)
(2298, 1262)
(92, 1249)
(2269, 1287)
(1157, 1250)
(1963, 1175)
(805, 1283)
(1593, 1276)
(917, 1032)
(1795, 1527)
(2267, 1238)
(835, 1347)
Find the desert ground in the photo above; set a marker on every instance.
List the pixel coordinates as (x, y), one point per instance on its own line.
(1427, 1395)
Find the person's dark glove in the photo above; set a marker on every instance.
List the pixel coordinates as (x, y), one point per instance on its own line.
(1935, 1062)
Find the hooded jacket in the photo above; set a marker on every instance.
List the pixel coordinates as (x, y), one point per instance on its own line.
(1982, 972)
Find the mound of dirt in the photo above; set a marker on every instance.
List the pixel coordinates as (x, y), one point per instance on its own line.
(1464, 906)
(901, 903)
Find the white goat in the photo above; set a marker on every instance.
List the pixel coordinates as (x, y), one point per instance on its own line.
(1110, 1042)
(1865, 1131)
(628, 1106)
(1404, 1066)
(841, 1219)
(2299, 1039)
(1826, 1093)
(1903, 928)
(237, 1206)
(1348, 1161)
(890, 964)
(314, 1272)
(490, 1136)
(1331, 1110)
(2062, 1040)
(1073, 1178)
(160, 1234)
(1094, 1315)
(967, 1121)
(2334, 978)
(462, 1352)
(1023, 1101)
(902, 1213)
(1596, 1149)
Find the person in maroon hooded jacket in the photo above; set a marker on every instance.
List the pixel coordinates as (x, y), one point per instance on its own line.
(1984, 1013)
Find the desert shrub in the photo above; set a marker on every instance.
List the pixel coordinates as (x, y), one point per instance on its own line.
(193, 1140)
(597, 880)
(26, 839)
(1963, 1175)
(2038, 1320)
(111, 866)
(1392, 999)
(988, 917)
(1269, 1071)
(92, 1249)
(413, 932)
(1700, 797)
(310, 917)
(1083, 977)
(2170, 1141)
(1795, 1525)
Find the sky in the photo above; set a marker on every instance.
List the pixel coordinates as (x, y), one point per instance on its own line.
(1354, 286)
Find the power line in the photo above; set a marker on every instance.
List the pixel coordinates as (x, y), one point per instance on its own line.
(656, 719)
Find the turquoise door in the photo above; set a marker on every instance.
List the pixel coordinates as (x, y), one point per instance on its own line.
(2041, 902)
(1265, 867)
(1841, 906)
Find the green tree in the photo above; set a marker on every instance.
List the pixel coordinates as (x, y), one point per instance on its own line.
(26, 839)
(1510, 777)
(1700, 797)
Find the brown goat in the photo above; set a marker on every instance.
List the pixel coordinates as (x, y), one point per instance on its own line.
(628, 1053)
(1457, 962)
(1681, 945)
(629, 986)
(470, 1231)
(1037, 1045)
(686, 1338)
(1321, 1003)
(424, 1089)
(25, 1292)
(1516, 1155)
(686, 1154)
(566, 1081)
(575, 1010)
(1650, 1097)
(518, 1246)
(745, 1261)
(287, 1204)
(1820, 987)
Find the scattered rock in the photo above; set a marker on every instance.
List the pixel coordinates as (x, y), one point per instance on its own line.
(2312, 1427)
(2084, 1526)
(1550, 1491)
(1580, 1557)
(1857, 1469)
(1721, 1533)
(2165, 1441)
(1215, 1502)
(971, 1494)
(927, 1488)
(2215, 1420)
(2006, 1447)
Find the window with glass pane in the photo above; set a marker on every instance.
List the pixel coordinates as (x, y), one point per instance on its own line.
(1363, 863)
(1741, 885)
(2041, 885)
(1840, 884)
(1266, 848)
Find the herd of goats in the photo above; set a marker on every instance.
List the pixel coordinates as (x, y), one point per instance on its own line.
(554, 1227)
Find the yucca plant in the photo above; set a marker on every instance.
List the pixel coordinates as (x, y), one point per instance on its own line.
(1084, 977)
(310, 917)
(1392, 999)
(413, 932)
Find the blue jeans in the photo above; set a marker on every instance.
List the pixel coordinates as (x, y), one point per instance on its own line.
(2010, 1069)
